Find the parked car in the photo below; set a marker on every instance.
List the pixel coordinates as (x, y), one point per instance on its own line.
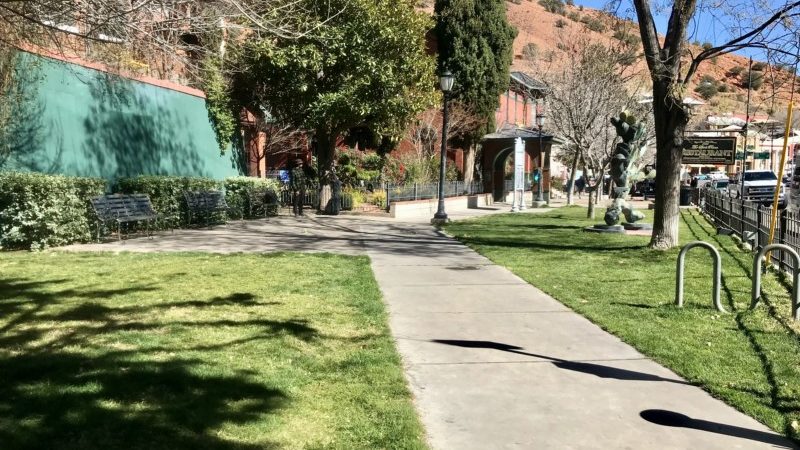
(700, 181)
(720, 184)
(758, 186)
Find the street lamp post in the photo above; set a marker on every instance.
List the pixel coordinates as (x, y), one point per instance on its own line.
(540, 202)
(446, 81)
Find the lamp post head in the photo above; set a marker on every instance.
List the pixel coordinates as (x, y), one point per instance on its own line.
(540, 120)
(446, 81)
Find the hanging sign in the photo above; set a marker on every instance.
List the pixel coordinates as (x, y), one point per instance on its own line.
(709, 150)
(519, 165)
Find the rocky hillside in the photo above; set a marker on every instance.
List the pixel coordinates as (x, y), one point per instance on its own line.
(547, 27)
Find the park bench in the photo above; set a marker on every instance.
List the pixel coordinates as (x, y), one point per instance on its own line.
(122, 209)
(205, 204)
(262, 202)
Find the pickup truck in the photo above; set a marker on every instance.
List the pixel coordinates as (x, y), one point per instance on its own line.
(759, 186)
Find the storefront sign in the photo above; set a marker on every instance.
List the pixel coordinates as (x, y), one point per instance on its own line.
(709, 150)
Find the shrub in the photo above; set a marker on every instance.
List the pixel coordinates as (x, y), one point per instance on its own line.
(627, 37)
(379, 198)
(357, 197)
(736, 71)
(38, 211)
(594, 24)
(707, 46)
(706, 89)
(530, 51)
(237, 195)
(553, 6)
(560, 23)
(573, 16)
(759, 66)
(166, 192)
(753, 81)
(557, 184)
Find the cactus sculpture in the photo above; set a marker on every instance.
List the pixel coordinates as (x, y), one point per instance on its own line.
(623, 160)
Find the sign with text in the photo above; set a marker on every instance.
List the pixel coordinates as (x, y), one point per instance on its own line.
(709, 150)
(519, 165)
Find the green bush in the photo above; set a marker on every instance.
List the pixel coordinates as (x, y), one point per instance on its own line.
(706, 90)
(735, 71)
(237, 194)
(38, 211)
(593, 24)
(166, 193)
(754, 81)
(553, 6)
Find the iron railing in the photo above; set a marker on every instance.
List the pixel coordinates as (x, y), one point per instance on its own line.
(751, 222)
(427, 191)
(394, 192)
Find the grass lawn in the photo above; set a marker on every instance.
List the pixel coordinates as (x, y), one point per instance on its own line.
(198, 351)
(751, 360)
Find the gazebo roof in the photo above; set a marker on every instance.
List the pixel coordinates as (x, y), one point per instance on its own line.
(516, 132)
(528, 85)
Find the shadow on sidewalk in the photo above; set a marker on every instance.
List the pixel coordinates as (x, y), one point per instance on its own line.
(597, 370)
(674, 419)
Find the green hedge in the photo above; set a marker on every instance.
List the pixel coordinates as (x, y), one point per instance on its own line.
(166, 192)
(38, 211)
(237, 195)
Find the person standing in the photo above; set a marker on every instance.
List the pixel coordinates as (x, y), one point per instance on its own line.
(580, 185)
(297, 183)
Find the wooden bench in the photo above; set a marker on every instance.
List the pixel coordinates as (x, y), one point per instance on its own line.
(121, 209)
(205, 204)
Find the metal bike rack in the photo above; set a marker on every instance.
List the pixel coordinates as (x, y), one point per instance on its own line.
(756, 291)
(717, 273)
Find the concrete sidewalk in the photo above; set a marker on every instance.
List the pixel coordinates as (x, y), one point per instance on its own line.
(495, 363)
(492, 361)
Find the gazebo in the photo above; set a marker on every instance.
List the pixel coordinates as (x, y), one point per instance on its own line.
(499, 146)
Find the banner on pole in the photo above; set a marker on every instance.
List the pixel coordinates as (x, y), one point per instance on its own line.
(519, 165)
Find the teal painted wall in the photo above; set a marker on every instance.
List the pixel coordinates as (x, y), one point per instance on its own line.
(80, 121)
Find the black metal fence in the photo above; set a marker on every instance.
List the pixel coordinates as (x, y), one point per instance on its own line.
(751, 222)
(427, 191)
(394, 193)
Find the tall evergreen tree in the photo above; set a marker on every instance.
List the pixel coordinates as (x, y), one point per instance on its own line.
(476, 44)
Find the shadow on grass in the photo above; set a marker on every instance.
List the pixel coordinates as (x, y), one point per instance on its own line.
(597, 370)
(511, 243)
(767, 366)
(678, 420)
(96, 385)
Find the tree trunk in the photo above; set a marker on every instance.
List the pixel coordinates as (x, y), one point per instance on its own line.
(670, 122)
(326, 155)
(572, 177)
(469, 163)
(595, 192)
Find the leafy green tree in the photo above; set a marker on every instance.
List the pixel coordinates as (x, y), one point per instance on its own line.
(476, 45)
(366, 66)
